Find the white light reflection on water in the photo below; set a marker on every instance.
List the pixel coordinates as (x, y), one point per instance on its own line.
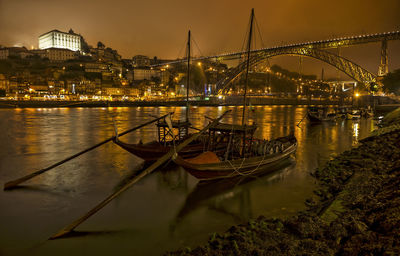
(355, 132)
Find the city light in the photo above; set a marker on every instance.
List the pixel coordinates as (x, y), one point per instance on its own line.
(249, 123)
(124, 74)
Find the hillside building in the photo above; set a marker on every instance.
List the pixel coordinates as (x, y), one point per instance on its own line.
(56, 54)
(61, 40)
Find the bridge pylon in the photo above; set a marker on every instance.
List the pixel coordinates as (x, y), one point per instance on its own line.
(384, 66)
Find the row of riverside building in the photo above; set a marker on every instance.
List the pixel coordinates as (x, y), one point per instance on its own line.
(97, 70)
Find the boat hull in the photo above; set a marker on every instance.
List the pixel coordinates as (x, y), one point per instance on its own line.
(239, 167)
(152, 151)
(352, 116)
(314, 118)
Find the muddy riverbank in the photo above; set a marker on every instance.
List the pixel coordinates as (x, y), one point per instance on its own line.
(355, 209)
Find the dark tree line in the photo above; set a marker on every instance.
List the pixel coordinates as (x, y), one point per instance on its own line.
(391, 82)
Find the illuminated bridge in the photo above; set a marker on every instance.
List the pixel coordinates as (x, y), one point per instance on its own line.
(314, 49)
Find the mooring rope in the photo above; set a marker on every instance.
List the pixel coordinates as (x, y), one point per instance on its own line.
(242, 173)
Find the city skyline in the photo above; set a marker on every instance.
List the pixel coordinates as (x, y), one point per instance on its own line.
(157, 28)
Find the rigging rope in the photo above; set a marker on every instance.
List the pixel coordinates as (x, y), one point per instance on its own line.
(229, 145)
(237, 170)
(245, 174)
(259, 33)
(180, 51)
(171, 132)
(198, 48)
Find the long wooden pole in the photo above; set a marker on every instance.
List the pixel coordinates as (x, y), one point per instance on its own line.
(247, 82)
(247, 67)
(302, 120)
(188, 78)
(14, 183)
(150, 169)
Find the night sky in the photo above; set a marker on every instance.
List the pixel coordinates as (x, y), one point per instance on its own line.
(159, 27)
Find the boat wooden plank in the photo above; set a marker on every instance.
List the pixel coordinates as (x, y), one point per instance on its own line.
(234, 167)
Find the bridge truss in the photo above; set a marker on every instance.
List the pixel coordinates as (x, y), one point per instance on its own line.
(314, 49)
(348, 67)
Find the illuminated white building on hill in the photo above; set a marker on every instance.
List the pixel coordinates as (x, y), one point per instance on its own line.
(61, 40)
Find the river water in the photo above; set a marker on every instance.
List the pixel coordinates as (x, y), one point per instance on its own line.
(166, 210)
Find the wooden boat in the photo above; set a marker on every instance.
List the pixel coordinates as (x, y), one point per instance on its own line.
(170, 133)
(208, 166)
(341, 111)
(320, 114)
(167, 137)
(354, 114)
(366, 113)
(152, 151)
(243, 155)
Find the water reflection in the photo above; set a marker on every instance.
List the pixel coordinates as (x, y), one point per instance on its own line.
(355, 132)
(165, 201)
(232, 196)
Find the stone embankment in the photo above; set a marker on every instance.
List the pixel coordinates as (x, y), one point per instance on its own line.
(355, 209)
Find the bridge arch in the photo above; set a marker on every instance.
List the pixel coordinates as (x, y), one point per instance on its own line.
(348, 67)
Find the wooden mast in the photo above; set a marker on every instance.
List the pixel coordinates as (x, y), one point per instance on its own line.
(188, 78)
(247, 66)
(246, 83)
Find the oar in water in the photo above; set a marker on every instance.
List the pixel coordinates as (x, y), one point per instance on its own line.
(150, 169)
(302, 119)
(14, 183)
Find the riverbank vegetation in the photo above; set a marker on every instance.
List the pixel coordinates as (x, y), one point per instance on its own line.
(391, 82)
